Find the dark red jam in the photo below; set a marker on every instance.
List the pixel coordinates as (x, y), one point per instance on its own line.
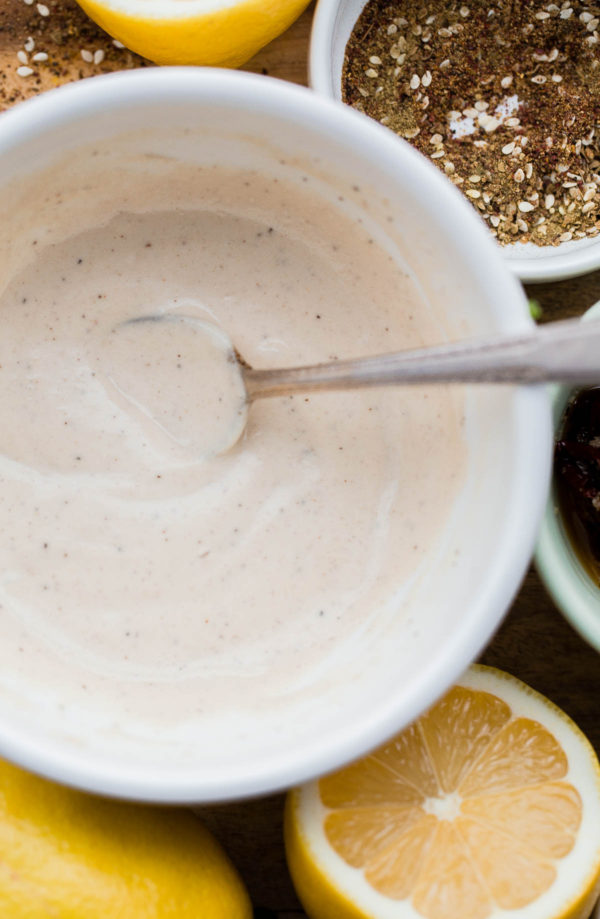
(577, 477)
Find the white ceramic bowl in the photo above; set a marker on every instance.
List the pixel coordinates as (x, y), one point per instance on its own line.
(158, 120)
(332, 26)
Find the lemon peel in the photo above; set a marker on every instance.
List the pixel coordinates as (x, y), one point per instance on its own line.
(71, 855)
(215, 33)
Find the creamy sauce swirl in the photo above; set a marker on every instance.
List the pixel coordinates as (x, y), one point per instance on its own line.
(165, 584)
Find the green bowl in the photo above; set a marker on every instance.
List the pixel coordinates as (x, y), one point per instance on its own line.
(566, 579)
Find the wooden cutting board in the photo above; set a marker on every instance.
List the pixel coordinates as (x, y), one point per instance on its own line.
(534, 643)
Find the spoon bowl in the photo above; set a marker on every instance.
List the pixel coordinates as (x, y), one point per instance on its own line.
(203, 407)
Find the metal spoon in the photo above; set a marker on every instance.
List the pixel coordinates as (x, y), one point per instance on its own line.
(566, 351)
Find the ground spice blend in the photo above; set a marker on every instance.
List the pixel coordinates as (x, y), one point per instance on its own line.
(504, 97)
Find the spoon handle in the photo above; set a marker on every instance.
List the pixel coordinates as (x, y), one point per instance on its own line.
(561, 352)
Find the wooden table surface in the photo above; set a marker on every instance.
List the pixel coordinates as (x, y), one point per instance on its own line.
(534, 642)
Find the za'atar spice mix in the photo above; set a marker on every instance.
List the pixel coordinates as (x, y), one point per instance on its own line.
(503, 96)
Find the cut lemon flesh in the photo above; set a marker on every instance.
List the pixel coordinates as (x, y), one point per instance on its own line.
(489, 805)
(216, 33)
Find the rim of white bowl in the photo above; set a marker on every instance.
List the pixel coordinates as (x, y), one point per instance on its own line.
(26, 124)
(529, 263)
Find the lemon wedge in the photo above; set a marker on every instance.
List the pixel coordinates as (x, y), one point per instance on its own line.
(70, 855)
(216, 33)
(488, 806)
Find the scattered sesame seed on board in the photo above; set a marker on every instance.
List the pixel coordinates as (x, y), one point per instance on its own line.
(45, 45)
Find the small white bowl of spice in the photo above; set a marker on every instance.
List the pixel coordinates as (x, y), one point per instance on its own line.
(503, 96)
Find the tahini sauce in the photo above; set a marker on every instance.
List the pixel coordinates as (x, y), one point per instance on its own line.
(151, 582)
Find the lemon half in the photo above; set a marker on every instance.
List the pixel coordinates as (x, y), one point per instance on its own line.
(489, 805)
(68, 855)
(216, 33)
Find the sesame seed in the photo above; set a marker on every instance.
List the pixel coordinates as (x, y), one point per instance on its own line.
(542, 15)
(392, 28)
(40, 57)
(538, 78)
(87, 56)
(588, 206)
(567, 13)
(512, 122)
(438, 154)
(42, 9)
(436, 139)
(29, 44)
(494, 220)
(426, 81)
(464, 11)
(475, 179)
(508, 148)
(556, 78)
(525, 206)
(473, 193)
(415, 81)
(505, 82)
(22, 57)
(117, 43)
(519, 175)
(488, 123)
(565, 237)
(372, 74)
(24, 71)
(98, 56)
(374, 59)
